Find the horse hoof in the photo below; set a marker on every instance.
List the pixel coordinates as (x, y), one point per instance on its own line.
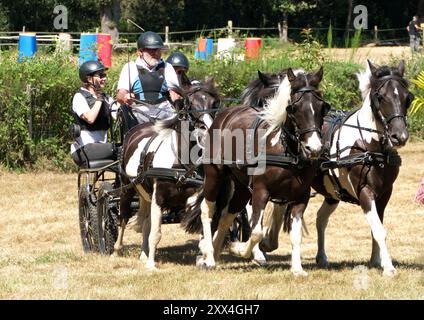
(299, 273)
(117, 253)
(375, 264)
(259, 262)
(322, 263)
(150, 266)
(390, 272)
(143, 257)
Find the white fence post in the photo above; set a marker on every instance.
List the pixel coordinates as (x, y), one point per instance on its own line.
(166, 34)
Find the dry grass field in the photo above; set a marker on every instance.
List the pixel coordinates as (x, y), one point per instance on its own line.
(41, 255)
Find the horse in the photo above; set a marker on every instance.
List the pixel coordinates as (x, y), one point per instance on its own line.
(364, 162)
(291, 127)
(361, 164)
(156, 161)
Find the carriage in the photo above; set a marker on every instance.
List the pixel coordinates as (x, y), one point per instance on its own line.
(101, 184)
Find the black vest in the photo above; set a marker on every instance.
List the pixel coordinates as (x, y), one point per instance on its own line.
(151, 84)
(102, 121)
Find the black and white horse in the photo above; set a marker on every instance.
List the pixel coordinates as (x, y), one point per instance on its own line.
(158, 159)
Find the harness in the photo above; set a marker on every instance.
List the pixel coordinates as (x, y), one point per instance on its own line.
(186, 176)
(288, 159)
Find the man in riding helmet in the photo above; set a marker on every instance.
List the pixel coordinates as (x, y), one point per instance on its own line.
(181, 65)
(149, 82)
(91, 110)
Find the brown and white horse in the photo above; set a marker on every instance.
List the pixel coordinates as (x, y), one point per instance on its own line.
(366, 164)
(291, 130)
(166, 145)
(363, 163)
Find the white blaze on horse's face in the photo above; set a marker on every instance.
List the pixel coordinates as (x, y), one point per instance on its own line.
(313, 144)
(396, 92)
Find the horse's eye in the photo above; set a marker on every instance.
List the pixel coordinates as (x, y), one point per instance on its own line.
(290, 109)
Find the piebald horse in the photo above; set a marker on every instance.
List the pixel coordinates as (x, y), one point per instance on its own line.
(291, 123)
(151, 156)
(363, 148)
(362, 162)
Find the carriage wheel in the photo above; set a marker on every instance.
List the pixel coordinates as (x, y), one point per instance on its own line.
(88, 220)
(241, 228)
(108, 217)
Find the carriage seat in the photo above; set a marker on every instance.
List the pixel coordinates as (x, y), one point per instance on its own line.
(93, 155)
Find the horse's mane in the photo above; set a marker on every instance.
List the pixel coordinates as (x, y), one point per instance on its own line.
(274, 112)
(256, 90)
(366, 79)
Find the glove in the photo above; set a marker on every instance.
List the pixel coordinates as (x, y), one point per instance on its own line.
(99, 93)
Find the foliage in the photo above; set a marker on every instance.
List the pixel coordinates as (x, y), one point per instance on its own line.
(41, 90)
(311, 55)
(418, 103)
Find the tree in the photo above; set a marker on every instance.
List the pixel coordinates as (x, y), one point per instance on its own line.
(287, 7)
(110, 14)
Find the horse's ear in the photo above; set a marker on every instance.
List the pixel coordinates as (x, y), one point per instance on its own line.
(210, 81)
(317, 76)
(263, 77)
(373, 68)
(290, 75)
(401, 67)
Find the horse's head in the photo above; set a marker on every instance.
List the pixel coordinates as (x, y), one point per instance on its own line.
(306, 110)
(201, 102)
(390, 100)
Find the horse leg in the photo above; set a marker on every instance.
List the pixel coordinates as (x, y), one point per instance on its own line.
(155, 230)
(381, 203)
(224, 224)
(211, 188)
(144, 221)
(368, 204)
(124, 216)
(327, 208)
(296, 215)
(273, 220)
(258, 256)
(259, 200)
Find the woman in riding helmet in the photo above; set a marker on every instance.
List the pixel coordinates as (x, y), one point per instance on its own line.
(91, 110)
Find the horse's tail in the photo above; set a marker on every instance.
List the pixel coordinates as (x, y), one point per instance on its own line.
(287, 224)
(191, 219)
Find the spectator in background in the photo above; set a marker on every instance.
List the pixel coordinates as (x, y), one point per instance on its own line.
(414, 34)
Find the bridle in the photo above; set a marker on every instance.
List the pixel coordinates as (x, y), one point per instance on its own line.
(376, 97)
(187, 111)
(291, 109)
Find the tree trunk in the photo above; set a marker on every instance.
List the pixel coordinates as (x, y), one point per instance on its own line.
(285, 27)
(349, 19)
(109, 15)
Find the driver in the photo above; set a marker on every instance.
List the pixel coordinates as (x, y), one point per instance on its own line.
(149, 83)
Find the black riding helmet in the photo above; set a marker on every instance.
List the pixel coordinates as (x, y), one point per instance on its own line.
(149, 40)
(89, 68)
(178, 59)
